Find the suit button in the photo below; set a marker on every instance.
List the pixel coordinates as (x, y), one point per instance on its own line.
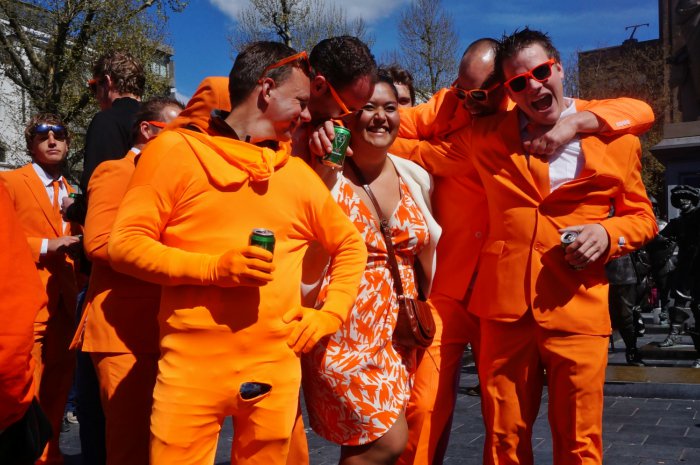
(477, 234)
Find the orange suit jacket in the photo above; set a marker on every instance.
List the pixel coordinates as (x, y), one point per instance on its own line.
(435, 135)
(35, 213)
(22, 298)
(522, 263)
(122, 311)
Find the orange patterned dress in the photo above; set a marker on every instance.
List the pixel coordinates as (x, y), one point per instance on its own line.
(357, 381)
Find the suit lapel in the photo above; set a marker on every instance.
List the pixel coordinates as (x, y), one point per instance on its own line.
(38, 190)
(514, 144)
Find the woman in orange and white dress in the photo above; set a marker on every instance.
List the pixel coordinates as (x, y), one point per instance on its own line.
(357, 381)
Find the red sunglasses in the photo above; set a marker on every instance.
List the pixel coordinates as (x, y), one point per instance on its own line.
(539, 73)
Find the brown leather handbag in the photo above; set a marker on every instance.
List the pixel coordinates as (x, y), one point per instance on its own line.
(415, 326)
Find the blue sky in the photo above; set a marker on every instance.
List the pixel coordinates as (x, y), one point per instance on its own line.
(198, 35)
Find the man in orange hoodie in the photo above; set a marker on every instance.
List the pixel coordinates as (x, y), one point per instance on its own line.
(36, 191)
(125, 355)
(231, 323)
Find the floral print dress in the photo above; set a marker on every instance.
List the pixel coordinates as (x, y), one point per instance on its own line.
(357, 381)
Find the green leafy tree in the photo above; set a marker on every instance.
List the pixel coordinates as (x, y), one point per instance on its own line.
(47, 49)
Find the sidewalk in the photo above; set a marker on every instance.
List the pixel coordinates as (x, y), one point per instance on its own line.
(652, 415)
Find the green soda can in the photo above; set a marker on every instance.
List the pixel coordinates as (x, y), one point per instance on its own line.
(340, 146)
(263, 238)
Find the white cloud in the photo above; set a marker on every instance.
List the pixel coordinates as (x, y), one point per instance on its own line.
(369, 10)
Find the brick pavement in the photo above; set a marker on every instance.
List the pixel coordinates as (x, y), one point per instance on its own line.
(637, 431)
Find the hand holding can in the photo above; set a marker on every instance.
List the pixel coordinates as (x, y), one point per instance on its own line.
(341, 141)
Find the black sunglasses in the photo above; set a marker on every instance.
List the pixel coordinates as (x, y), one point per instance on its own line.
(539, 73)
(43, 129)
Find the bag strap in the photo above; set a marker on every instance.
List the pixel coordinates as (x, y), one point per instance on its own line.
(383, 226)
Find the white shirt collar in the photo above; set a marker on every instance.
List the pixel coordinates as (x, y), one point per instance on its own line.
(46, 179)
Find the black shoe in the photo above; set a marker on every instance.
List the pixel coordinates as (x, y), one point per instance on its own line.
(633, 358)
(670, 341)
(696, 363)
(474, 390)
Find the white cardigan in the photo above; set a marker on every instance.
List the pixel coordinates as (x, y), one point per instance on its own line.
(420, 185)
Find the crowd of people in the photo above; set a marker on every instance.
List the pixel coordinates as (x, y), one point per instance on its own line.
(183, 320)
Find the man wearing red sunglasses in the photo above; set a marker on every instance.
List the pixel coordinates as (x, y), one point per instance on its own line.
(433, 135)
(543, 301)
(36, 190)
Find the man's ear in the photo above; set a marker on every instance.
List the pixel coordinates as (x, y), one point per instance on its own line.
(319, 85)
(266, 86)
(107, 81)
(145, 130)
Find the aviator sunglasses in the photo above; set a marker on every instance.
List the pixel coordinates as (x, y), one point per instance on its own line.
(539, 73)
(478, 95)
(43, 129)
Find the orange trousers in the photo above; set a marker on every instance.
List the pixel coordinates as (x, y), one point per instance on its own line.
(55, 365)
(432, 401)
(198, 385)
(512, 365)
(126, 391)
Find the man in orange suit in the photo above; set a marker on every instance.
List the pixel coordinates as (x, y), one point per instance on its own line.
(125, 354)
(23, 296)
(230, 320)
(431, 134)
(36, 191)
(541, 290)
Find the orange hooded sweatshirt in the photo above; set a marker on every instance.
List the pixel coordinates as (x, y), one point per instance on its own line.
(195, 196)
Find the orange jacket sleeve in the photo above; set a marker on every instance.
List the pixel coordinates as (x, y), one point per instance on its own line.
(23, 296)
(622, 115)
(634, 222)
(106, 188)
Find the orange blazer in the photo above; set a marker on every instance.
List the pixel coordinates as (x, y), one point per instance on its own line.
(33, 207)
(22, 298)
(121, 311)
(459, 200)
(522, 262)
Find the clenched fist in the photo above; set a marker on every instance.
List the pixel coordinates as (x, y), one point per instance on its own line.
(250, 266)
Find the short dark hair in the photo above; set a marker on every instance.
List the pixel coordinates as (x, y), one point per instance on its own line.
(151, 110)
(401, 75)
(125, 71)
(511, 45)
(343, 59)
(251, 63)
(385, 77)
(42, 118)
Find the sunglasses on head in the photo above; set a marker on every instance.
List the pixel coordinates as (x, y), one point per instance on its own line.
(92, 84)
(344, 110)
(43, 129)
(158, 124)
(302, 57)
(539, 73)
(478, 95)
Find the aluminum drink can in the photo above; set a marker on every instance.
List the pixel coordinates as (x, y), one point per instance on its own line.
(341, 141)
(263, 238)
(568, 238)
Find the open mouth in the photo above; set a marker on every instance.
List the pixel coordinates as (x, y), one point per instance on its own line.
(378, 130)
(543, 103)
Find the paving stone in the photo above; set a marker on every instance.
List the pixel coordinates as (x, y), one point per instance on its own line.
(634, 427)
(644, 451)
(623, 437)
(681, 441)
